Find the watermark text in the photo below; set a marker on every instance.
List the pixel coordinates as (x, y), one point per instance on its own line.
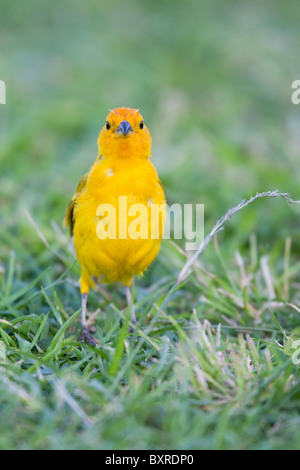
(2, 92)
(151, 221)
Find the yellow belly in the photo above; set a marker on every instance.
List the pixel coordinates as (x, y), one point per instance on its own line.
(119, 256)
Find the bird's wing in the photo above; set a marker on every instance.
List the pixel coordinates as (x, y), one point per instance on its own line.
(69, 219)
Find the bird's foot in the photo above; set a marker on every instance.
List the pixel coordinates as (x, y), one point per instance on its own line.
(132, 328)
(86, 336)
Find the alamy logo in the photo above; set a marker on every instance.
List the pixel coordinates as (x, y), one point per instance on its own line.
(2, 92)
(296, 94)
(296, 354)
(126, 220)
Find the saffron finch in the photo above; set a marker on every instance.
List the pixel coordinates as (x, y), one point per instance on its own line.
(123, 179)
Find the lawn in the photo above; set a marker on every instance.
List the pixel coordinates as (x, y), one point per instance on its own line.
(212, 363)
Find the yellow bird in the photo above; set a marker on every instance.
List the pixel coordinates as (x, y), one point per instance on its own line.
(117, 214)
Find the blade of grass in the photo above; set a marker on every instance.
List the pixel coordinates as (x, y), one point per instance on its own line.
(279, 326)
(11, 268)
(24, 290)
(39, 331)
(62, 330)
(115, 364)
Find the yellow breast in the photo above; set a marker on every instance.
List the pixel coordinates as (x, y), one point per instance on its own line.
(117, 251)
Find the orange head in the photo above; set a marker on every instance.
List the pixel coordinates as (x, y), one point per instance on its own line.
(124, 135)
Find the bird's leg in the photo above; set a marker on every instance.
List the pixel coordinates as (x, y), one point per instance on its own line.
(131, 305)
(85, 332)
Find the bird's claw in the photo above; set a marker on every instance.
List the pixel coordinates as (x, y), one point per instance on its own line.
(132, 327)
(86, 336)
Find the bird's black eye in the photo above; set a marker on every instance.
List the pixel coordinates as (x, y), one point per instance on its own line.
(107, 125)
(142, 125)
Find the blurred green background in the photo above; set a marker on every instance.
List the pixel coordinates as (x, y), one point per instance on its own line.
(213, 82)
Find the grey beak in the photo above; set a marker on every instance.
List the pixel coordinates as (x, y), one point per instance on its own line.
(124, 127)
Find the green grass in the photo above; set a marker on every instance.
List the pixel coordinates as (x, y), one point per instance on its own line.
(209, 365)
